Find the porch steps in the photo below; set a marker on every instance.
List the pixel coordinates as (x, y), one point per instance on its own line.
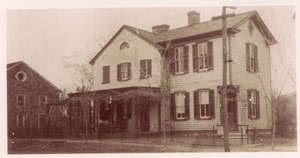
(236, 138)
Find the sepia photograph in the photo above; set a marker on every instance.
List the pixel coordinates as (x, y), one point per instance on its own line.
(139, 79)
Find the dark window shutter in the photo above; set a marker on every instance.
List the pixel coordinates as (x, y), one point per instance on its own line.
(172, 60)
(108, 74)
(186, 58)
(195, 57)
(248, 57)
(249, 104)
(196, 105)
(105, 74)
(187, 105)
(257, 105)
(211, 104)
(150, 67)
(119, 72)
(255, 59)
(210, 55)
(129, 70)
(172, 107)
(142, 69)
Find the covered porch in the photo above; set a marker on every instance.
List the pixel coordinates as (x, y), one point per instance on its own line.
(125, 110)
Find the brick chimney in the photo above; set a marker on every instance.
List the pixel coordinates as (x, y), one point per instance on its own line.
(193, 18)
(160, 28)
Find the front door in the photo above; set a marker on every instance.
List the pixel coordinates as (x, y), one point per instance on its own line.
(232, 115)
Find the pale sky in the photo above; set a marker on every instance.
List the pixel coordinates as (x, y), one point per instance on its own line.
(45, 38)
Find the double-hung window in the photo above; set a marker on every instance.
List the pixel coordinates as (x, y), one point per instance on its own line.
(179, 101)
(20, 100)
(204, 104)
(179, 60)
(145, 68)
(124, 73)
(253, 104)
(20, 120)
(251, 57)
(180, 107)
(203, 56)
(42, 101)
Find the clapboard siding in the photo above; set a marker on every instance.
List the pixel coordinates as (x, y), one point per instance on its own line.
(112, 56)
(193, 81)
(211, 79)
(260, 81)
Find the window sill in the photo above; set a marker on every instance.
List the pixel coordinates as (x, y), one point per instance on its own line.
(141, 78)
(253, 118)
(206, 118)
(203, 70)
(105, 82)
(124, 80)
(180, 73)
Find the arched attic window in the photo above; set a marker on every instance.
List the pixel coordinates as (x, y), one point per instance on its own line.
(124, 45)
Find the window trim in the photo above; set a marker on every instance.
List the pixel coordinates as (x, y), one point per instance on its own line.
(124, 45)
(211, 105)
(24, 77)
(205, 56)
(104, 81)
(119, 71)
(23, 120)
(184, 60)
(173, 112)
(206, 105)
(46, 98)
(183, 106)
(24, 101)
(251, 57)
(209, 56)
(148, 73)
(251, 104)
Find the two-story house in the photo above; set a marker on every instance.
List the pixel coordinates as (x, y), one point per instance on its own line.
(132, 59)
(29, 96)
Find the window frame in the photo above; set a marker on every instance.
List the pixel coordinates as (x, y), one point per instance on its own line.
(46, 100)
(251, 57)
(121, 71)
(106, 74)
(18, 120)
(145, 68)
(207, 56)
(180, 107)
(124, 45)
(179, 60)
(253, 104)
(24, 76)
(206, 106)
(209, 108)
(24, 100)
(204, 53)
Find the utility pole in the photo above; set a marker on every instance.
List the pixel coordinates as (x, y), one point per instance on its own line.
(224, 94)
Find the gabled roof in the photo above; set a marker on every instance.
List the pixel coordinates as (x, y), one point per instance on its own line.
(141, 33)
(11, 66)
(233, 22)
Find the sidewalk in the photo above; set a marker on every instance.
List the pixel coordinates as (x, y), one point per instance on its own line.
(156, 144)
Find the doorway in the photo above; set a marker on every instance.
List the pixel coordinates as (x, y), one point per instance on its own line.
(232, 115)
(144, 118)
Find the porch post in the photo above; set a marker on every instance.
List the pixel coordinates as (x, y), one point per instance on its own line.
(111, 114)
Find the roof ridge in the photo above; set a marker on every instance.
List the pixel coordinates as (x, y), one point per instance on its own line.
(42, 77)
